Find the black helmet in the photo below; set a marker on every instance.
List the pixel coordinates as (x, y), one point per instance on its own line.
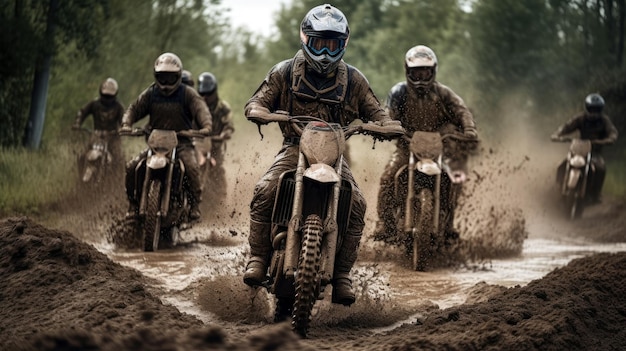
(324, 34)
(187, 78)
(207, 83)
(168, 72)
(594, 103)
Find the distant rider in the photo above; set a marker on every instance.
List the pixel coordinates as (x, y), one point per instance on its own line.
(223, 126)
(596, 126)
(187, 78)
(421, 104)
(315, 82)
(171, 105)
(107, 112)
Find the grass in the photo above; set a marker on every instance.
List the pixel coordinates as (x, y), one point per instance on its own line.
(34, 179)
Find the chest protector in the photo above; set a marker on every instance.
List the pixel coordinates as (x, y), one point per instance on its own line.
(317, 96)
(170, 111)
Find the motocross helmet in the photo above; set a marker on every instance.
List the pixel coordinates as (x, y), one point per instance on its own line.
(109, 88)
(420, 66)
(324, 34)
(168, 73)
(187, 78)
(594, 103)
(207, 83)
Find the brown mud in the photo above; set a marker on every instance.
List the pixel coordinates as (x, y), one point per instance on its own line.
(65, 286)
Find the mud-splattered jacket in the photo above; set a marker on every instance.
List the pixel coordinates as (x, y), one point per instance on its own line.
(341, 99)
(177, 111)
(428, 112)
(597, 127)
(106, 115)
(222, 118)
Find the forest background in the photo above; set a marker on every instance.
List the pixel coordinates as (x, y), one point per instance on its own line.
(521, 66)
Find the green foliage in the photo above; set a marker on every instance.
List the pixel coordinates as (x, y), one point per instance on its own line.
(531, 61)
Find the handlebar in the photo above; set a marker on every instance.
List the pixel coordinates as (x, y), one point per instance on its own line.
(457, 136)
(567, 139)
(190, 133)
(390, 130)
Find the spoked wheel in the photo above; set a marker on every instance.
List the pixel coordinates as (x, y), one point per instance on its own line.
(422, 245)
(152, 221)
(307, 278)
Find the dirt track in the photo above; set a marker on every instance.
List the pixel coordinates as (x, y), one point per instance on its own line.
(60, 293)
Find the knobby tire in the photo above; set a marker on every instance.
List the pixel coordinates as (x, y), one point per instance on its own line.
(307, 278)
(152, 221)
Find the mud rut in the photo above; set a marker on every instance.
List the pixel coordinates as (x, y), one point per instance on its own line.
(202, 276)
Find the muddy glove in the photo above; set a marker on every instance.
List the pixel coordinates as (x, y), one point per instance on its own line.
(470, 133)
(256, 115)
(556, 137)
(205, 131)
(125, 129)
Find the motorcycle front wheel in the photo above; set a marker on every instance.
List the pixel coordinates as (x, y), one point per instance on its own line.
(424, 229)
(152, 221)
(307, 277)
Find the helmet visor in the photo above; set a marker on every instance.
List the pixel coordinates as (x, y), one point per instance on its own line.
(166, 78)
(329, 46)
(420, 73)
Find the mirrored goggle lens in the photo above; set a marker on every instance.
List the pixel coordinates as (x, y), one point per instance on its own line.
(167, 78)
(324, 45)
(421, 73)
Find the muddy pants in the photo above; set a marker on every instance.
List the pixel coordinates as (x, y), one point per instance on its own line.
(596, 176)
(187, 154)
(389, 201)
(263, 202)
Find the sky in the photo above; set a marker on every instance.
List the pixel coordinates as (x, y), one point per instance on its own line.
(256, 15)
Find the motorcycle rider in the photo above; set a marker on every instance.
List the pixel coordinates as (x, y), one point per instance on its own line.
(187, 78)
(107, 112)
(171, 106)
(421, 103)
(592, 124)
(315, 82)
(223, 125)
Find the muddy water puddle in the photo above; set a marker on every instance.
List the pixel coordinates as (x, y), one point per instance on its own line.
(392, 282)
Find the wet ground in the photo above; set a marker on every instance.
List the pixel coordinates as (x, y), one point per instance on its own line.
(534, 281)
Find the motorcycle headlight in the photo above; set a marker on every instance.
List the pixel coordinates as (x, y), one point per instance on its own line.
(428, 167)
(577, 161)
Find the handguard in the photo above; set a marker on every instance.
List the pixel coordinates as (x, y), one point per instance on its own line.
(385, 130)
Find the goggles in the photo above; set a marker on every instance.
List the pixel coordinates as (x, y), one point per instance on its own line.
(167, 78)
(420, 73)
(329, 46)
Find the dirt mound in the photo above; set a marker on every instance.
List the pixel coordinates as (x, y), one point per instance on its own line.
(59, 293)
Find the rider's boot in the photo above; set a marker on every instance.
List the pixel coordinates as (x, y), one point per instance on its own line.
(133, 210)
(343, 293)
(194, 211)
(260, 251)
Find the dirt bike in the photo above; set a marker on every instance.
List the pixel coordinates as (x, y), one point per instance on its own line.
(311, 212)
(206, 161)
(428, 185)
(96, 162)
(163, 198)
(574, 181)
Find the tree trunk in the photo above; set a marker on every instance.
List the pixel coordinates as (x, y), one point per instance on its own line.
(37, 115)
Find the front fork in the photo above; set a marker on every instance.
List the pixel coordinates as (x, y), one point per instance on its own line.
(409, 217)
(331, 229)
(167, 187)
